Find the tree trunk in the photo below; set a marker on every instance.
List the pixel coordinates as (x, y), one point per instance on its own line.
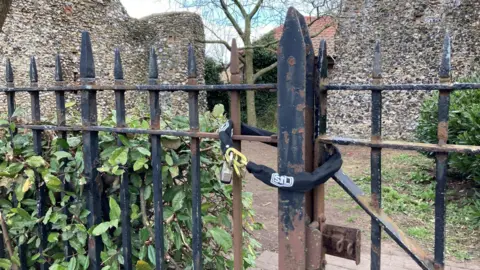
(248, 67)
(4, 9)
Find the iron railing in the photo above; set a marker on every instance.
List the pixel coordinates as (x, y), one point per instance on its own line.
(373, 205)
(90, 130)
(302, 124)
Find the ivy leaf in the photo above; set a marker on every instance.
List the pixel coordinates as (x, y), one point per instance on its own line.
(124, 140)
(177, 201)
(151, 254)
(26, 185)
(144, 151)
(62, 154)
(101, 228)
(53, 237)
(73, 141)
(35, 161)
(119, 156)
(173, 171)
(148, 192)
(72, 265)
(222, 238)
(12, 170)
(218, 110)
(70, 104)
(139, 163)
(53, 183)
(47, 215)
(5, 264)
(21, 212)
(143, 265)
(169, 160)
(114, 209)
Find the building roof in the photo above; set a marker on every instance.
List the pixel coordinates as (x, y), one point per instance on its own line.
(324, 22)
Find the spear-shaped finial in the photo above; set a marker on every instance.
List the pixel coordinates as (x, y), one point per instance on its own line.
(192, 64)
(58, 68)
(87, 65)
(152, 65)
(377, 61)
(445, 67)
(118, 68)
(8, 71)
(33, 70)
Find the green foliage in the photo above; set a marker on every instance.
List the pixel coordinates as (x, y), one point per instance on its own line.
(63, 159)
(464, 127)
(213, 70)
(265, 102)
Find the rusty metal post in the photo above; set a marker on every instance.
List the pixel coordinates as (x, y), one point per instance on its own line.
(235, 115)
(195, 170)
(291, 76)
(442, 158)
(313, 234)
(320, 129)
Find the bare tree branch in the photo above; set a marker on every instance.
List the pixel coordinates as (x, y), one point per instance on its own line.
(264, 70)
(242, 9)
(215, 42)
(255, 9)
(323, 29)
(231, 19)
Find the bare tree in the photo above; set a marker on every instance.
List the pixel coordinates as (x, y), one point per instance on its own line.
(244, 16)
(4, 9)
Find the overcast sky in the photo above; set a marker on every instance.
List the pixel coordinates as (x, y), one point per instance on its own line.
(142, 8)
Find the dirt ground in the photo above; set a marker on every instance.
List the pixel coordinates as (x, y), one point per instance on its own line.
(341, 212)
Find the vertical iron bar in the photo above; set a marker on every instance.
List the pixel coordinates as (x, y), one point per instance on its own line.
(235, 115)
(124, 192)
(37, 148)
(10, 95)
(22, 248)
(195, 170)
(376, 161)
(62, 121)
(442, 158)
(313, 244)
(321, 129)
(90, 149)
(291, 76)
(156, 161)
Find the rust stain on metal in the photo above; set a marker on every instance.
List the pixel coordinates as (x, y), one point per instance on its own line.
(300, 107)
(302, 93)
(291, 61)
(442, 132)
(375, 203)
(285, 137)
(293, 245)
(297, 168)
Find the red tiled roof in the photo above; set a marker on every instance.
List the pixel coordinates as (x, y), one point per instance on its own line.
(318, 24)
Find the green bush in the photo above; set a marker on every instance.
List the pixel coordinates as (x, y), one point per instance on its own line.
(64, 159)
(463, 128)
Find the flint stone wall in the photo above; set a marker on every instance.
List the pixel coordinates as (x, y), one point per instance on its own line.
(411, 35)
(41, 28)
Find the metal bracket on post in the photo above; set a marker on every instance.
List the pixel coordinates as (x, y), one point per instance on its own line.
(342, 242)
